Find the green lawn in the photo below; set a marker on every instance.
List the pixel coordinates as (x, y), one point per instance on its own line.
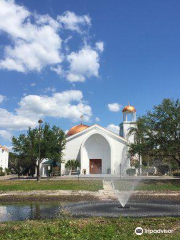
(159, 185)
(89, 229)
(148, 185)
(28, 185)
(89, 185)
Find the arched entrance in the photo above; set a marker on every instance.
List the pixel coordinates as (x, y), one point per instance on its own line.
(96, 155)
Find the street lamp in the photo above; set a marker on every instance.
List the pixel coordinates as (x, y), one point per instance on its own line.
(49, 170)
(39, 160)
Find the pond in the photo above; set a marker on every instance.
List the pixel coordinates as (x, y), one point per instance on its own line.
(55, 210)
(30, 211)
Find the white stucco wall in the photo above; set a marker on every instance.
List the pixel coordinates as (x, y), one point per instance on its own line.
(125, 127)
(79, 147)
(96, 146)
(4, 157)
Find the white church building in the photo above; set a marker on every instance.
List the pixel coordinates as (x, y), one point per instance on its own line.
(99, 150)
(4, 156)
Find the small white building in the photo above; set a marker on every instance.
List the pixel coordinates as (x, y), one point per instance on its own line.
(45, 167)
(4, 157)
(99, 150)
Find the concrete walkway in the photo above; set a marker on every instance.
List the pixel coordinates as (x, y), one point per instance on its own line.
(108, 191)
(107, 185)
(109, 177)
(106, 177)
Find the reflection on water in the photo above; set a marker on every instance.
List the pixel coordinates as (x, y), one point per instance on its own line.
(32, 211)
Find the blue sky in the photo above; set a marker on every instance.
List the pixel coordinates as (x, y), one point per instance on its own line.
(61, 59)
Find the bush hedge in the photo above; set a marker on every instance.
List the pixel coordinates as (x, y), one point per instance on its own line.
(176, 174)
(3, 173)
(131, 171)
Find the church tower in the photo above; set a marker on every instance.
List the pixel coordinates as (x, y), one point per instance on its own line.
(129, 121)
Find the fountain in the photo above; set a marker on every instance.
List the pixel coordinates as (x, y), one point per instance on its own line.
(112, 209)
(124, 189)
(121, 204)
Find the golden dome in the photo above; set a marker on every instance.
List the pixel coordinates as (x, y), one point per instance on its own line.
(3, 148)
(129, 108)
(76, 129)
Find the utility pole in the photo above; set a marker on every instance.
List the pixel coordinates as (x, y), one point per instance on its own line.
(39, 159)
(120, 169)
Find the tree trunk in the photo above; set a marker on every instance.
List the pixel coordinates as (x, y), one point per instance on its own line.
(60, 167)
(178, 161)
(38, 171)
(139, 167)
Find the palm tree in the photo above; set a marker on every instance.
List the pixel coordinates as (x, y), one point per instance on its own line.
(72, 165)
(139, 132)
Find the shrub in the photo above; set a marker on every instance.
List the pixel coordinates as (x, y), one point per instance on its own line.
(1, 172)
(176, 174)
(158, 174)
(163, 168)
(72, 164)
(131, 171)
(8, 171)
(148, 170)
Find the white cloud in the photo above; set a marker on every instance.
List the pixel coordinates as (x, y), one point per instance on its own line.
(10, 148)
(74, 22)
(35, 40)
(67, 104)
(2, 98)
(114, 107)
(11, 121)
(12, 17)
(33, 84)
(83, 64)
(35, 43)
(97, 119)
(113, 128)
(49, 89)
(6, 135)
(58, 70)
(100, 46)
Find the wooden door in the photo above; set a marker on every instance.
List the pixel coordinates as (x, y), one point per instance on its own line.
(95, 166)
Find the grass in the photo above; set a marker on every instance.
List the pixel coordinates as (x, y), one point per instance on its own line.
(29, 185)
(148, 185)
(159, 185)
(88, 229)
(88, 185)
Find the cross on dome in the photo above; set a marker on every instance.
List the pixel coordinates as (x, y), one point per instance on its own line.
(82, 118)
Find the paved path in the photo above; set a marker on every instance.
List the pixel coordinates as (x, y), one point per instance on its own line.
(109, 177)
(108, 191)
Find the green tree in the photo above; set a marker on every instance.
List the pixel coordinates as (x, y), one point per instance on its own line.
(14, 163)
(26, 149)
(52, 141)
(164, 123)
(138, 147)
(161, 132)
